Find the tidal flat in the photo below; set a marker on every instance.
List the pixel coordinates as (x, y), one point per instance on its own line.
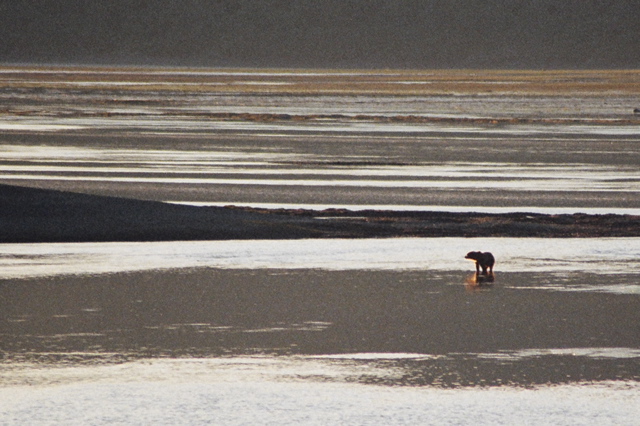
(298, 330)
(247, 327)
(362, 331)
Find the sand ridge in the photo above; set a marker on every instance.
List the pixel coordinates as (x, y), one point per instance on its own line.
(41, 215)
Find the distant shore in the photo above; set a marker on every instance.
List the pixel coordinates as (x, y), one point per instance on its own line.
(30, 215)
(305, 81)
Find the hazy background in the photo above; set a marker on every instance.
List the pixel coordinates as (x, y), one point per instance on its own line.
(324, 33)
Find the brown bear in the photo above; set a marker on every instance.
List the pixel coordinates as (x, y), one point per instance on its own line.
(484, 260)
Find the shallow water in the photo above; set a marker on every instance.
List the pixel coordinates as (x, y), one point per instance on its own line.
(306, 170)
(217, 391)
(425, 208)
(604, 256)
(342, 147)
(357, 331)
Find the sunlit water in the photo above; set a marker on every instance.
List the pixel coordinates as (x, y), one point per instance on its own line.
(553, 256)
(259, 391)
(95, 134)
(76, 376)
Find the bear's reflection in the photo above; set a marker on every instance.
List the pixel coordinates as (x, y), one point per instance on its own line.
(476, 281)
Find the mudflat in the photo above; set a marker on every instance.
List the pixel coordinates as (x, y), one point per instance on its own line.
(208, 312)
(510, 140)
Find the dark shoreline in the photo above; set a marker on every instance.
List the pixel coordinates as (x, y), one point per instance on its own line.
(29, 215)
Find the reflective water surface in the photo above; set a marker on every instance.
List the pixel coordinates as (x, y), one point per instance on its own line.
(333, 324)
(325, 138)
(557, 256)
(262, 391)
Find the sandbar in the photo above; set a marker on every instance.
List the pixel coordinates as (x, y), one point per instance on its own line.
(30, 215)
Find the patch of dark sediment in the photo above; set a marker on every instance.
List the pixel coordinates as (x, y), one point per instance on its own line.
(631, 119)
(388, 223)
(40, 215)
(418, 119)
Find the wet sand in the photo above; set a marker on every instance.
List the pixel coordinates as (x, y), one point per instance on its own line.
(456, 333)
(37, 215)
(557, 139)
(546, 334)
